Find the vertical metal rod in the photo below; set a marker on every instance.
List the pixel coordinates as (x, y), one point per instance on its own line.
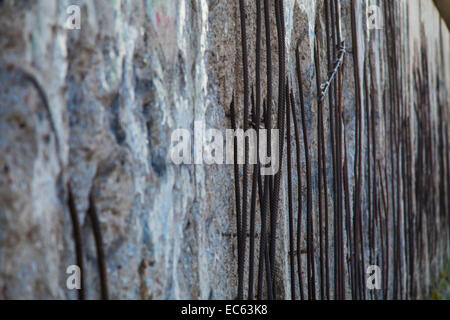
(78, 240)
(290, 195)
(358, 176)
(299, 196)
(257, 119)
(267, 181)
(328, 13)
(236, 183)
(241, 257)
(309, 200)
(279, 10)
(92, 213)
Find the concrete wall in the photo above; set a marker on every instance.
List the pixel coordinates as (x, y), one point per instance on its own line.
(136, 71)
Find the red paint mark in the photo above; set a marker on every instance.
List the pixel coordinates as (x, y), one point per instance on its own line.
(163, 20)
(158, 19)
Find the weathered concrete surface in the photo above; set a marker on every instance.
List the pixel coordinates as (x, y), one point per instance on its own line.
(117, 88)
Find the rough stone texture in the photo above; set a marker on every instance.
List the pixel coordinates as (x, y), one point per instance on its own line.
(116, 90)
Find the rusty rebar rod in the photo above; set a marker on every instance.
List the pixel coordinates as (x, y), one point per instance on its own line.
(309, 199)
(299, 196)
